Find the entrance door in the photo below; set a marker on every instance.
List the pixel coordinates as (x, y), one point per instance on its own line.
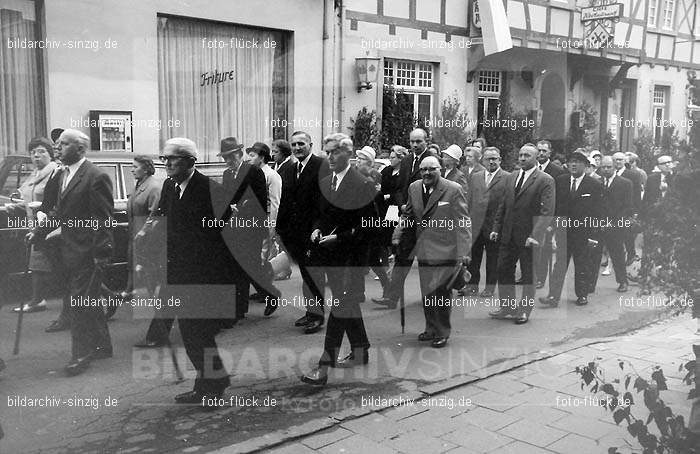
(553, 105)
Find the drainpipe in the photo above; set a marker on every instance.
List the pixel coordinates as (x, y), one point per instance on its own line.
(324, 70)
(339, 64)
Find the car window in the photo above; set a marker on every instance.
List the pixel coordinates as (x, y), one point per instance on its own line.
(19, 173)
(111, 170)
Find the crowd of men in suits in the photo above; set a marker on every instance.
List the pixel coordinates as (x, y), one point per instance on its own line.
(456, 206)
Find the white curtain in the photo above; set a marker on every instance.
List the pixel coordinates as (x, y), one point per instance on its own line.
(22, 106)
(241, 107)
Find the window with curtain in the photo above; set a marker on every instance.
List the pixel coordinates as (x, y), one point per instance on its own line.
(218, 80)
(22, 103)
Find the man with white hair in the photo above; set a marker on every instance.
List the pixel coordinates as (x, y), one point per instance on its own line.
(621, 170)
(200, 266)
(84, 209)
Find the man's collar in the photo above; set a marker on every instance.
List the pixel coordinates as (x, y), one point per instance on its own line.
(72, 168)
(342, 173)
(544, 166)
(306, 160)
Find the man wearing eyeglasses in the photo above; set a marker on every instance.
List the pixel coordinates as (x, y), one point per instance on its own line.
(658, 182)
(437, 208)
(199, 268)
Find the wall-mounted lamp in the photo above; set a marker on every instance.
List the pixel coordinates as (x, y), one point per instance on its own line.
(367, 69)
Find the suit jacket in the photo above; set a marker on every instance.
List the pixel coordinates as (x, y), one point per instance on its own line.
(457, 176)
(408, 174)
(299, 203)
(528, 214)
(652, 190)
(341, 212)
(442, 226)
(84, 210)
(248, 190)
(390, 185)
(484, 201)
(196, 251)
(617, 200)
(636, 179)
(554, 170)
(468, 175)
(580, 207)
(290, 162)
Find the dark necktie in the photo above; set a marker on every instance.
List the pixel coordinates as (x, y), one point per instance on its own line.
(334, 183)
(426, 196)
(416, 163)
(607, 183)
(519, 185)
(573, 186)
(299, 168)
(177, 191)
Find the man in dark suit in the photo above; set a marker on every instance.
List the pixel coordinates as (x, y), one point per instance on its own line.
(83, 207)
(437, 209)
(295, 218)
(576, 225)
(339, 244)
(472, 161)
(403, 260)
(617, 207)
(658, 182)
(619, 161)
(485, 196)
(200, 267)
(520, 225)
(544, 258)
(247, 191)
(282, 155)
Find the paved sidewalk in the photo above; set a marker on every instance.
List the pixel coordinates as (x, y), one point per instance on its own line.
(534, 408)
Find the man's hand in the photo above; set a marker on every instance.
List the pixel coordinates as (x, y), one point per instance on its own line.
(328, 240)
(29, 238)
(493, 236)
(531, 242)
(234, 209)
(315, 236)
(101, 262)
(549, 229)
(395, 241)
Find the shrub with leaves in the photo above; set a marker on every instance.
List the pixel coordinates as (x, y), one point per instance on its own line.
(583, 136)
(452, 126)
(397, 119)
(669, 435)
(509, 140)
(364, 129)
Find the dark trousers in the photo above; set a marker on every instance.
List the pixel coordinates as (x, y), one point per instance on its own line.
(509, 254)
(88, 325)
(544, 258)
(159, 329)
(629, 238)
(403, 261)
(482, 243)
(199, 338)
(614, 239)
(313, 279)
(572, 245)
(346, 317)
(437, 303)
(378, 258)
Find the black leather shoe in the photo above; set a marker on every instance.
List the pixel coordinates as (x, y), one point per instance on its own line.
(539, 285)
(386, 302)
(190, 397)
(353, 360)
(522, 319)
(622, 287)
(313, 326)
(102, 353)
(439, 342)
(302, 321)
(424, 337)
(550, 301)
(57, 325)
(150, 344)
(581, 301)
(317, 377)
(270, 307)
(78, 366)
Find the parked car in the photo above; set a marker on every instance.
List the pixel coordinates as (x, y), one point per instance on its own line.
(15, 169)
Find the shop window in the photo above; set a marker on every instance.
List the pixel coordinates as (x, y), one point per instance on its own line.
(22, 104)
(209, 91)
(659, 111)
(488, 106)
(414, 81)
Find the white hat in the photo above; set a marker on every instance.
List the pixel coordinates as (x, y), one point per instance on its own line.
(453, 151)
(591, 161)
(366, 152)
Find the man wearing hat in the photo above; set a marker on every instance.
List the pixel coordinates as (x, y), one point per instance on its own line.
(450, 159)
(578, 216)
(246, 191)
